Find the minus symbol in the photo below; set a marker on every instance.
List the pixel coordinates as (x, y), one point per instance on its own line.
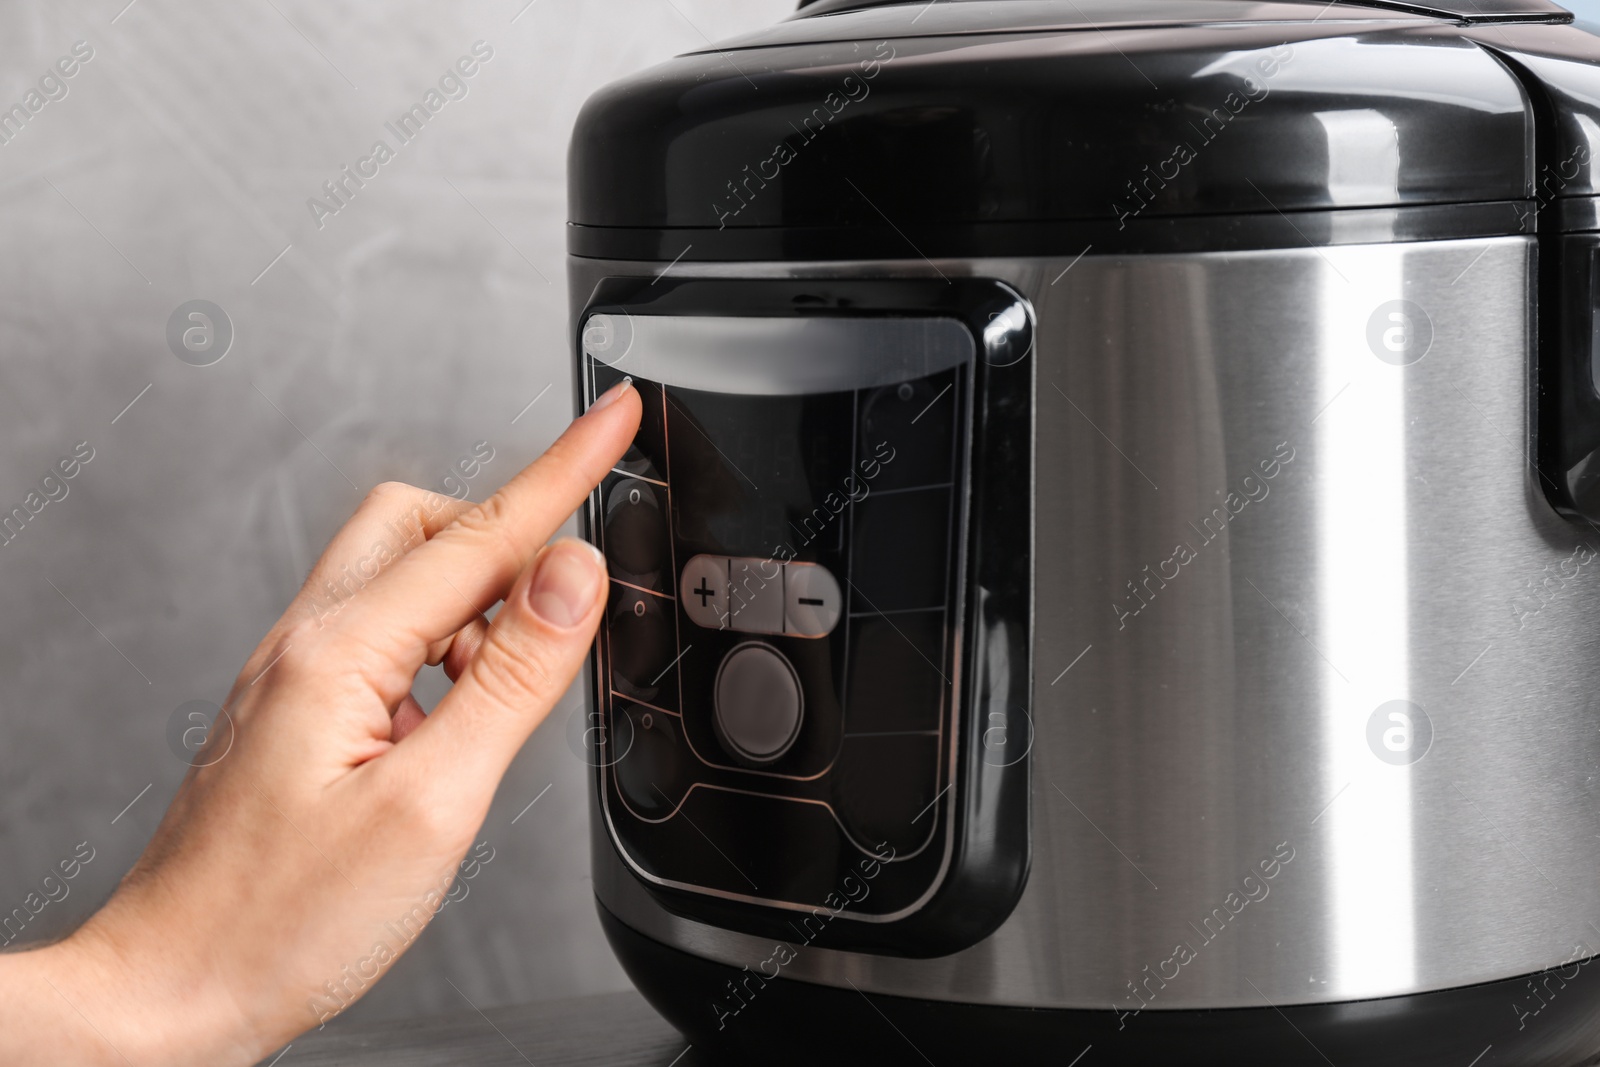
(812, 601)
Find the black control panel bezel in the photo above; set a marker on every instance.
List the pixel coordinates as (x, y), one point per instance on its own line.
(987, 855)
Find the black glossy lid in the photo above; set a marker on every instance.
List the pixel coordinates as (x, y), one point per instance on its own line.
(1466, 10)
(1562, 63)
(857, 113)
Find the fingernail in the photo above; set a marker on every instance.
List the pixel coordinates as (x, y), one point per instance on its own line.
(567, 583)
(612, 395)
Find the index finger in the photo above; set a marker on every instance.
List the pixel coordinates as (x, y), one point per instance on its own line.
(467, 567)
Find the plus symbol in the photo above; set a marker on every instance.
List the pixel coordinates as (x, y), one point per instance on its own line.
(705, 592)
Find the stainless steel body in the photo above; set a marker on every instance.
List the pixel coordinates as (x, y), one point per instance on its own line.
(1266, 508)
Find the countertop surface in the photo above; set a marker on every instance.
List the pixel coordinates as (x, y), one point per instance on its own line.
(612, 1029)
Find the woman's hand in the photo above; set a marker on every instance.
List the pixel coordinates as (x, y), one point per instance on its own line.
(315, 837)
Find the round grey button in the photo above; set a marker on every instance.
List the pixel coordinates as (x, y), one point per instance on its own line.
(759, 703)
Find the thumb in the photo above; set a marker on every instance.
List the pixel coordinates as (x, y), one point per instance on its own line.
(535, 646)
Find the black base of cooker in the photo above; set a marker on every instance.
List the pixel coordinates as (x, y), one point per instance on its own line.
(1546, 1020)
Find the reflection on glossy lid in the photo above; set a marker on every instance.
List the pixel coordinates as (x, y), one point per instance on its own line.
(904, 116)
(1147, 12)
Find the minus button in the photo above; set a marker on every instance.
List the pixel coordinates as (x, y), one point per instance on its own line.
(811, 600)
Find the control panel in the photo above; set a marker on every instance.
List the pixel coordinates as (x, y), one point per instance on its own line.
(761, 596)
(779, 671)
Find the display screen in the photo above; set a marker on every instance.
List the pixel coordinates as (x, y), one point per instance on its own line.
(771, 473)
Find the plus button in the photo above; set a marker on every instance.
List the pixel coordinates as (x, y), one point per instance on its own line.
(703, 591)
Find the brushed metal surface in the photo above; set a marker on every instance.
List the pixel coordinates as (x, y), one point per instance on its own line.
(1402, 553)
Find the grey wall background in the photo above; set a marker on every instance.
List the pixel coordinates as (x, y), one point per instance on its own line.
(425, 316)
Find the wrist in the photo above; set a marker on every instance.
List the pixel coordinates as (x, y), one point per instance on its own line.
(40, 1018)
(129, 1005)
